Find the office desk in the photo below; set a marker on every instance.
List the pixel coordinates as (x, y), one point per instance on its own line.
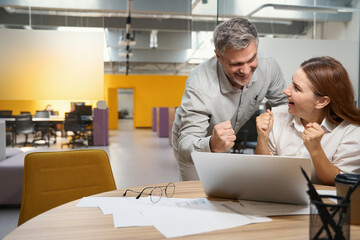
(50, 119)
(87, 120)
(69, 222)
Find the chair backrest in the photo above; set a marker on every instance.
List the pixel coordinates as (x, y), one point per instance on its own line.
(43, 126)
(42, 114)
(246, 137)
(25, 112)
(250, 128)
(5, 113)
(55, 178)
(73, 122)
(24, 124)
(83, 110)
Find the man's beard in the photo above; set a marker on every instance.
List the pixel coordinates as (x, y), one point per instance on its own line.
(240, 83)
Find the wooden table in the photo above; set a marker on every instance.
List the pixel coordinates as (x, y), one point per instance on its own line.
(69, 222)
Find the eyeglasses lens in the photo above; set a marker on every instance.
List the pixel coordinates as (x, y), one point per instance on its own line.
(155, 195)
(170, 190)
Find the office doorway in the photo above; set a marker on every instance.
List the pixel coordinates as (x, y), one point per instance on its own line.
(125, 108)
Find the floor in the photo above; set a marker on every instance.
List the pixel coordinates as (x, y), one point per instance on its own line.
(137, 156)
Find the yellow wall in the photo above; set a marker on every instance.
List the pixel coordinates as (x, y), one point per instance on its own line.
(149, 91)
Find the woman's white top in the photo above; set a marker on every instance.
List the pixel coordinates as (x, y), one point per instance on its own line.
(340, 143)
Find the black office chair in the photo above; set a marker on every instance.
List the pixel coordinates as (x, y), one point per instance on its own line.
(23, 125)
(246, 138)
(24, 112)
(42, 128)
(74, 124)
(9, 125)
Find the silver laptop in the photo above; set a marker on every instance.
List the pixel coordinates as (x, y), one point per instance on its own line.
(253, 177)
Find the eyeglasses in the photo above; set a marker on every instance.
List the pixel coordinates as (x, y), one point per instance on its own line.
(155, 192)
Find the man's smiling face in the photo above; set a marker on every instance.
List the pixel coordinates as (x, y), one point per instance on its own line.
(239, 64)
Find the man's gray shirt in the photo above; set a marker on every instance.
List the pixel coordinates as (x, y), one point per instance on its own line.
(210, 99)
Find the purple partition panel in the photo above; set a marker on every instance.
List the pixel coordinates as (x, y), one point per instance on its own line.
(163, 122)
(101, 127)
(154, 119)
(2, 140)
(171, 121)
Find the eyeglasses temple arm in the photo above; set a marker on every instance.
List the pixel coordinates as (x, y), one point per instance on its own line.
(138, 196)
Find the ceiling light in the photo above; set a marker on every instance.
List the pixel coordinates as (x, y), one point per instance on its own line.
(305, 8)
(323, 9)
(153, 39)
(80, 29)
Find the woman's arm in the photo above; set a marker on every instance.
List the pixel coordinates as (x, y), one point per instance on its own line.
(325, 170)
(264, 124)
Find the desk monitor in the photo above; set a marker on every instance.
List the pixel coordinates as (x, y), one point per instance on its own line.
(5, 113)
(253, 177)
(73, 104)
(42, 114)
(83, 110)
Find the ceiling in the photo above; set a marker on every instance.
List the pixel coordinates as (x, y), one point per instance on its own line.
(183, 28)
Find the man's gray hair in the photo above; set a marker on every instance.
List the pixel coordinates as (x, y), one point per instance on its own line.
(236, 33)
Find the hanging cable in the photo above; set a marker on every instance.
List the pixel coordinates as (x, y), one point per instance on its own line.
(128, 38)
(30, 15)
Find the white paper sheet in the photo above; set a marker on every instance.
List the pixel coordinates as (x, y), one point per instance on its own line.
(129, 217)
(328, 192)
(179, 221)
(271, 209)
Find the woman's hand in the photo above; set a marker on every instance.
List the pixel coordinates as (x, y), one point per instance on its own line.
(312, 136)
(264, 124)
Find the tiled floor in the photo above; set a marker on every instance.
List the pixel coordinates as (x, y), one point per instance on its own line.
(137, 156)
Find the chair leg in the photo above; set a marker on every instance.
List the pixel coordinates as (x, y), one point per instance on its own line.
(14, 139)
(26, 139)
(54, 136)
(48, 139)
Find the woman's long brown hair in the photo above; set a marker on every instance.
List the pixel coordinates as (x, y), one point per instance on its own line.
(330, 78)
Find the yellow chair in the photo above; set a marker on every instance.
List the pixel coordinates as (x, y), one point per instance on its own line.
(55, 178)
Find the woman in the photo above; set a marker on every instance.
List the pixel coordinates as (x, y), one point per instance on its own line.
(321, 121)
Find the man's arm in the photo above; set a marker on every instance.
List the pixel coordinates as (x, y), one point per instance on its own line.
(190, 126)
(193, 128)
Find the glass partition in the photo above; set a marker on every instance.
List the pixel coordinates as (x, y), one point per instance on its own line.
(292, 31)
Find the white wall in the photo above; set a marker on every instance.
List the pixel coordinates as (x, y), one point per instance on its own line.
(290, 53)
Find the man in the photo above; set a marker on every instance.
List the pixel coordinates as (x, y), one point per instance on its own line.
(222, 93)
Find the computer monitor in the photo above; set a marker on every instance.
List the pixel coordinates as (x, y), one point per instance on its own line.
(83, 110)
(73, 104)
